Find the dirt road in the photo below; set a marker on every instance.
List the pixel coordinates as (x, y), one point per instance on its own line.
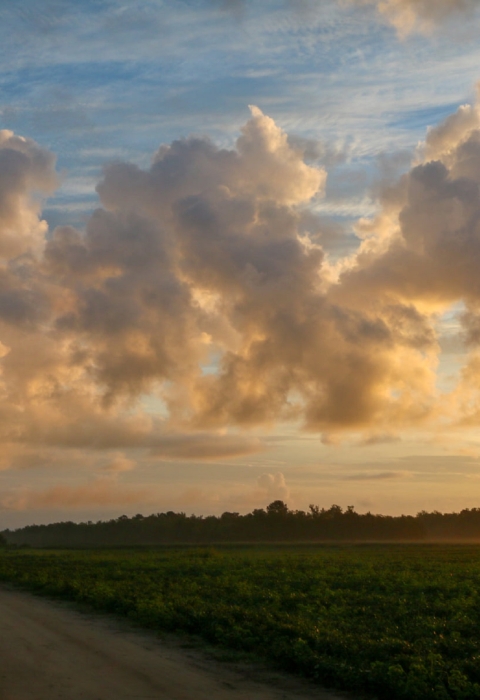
(48, 651)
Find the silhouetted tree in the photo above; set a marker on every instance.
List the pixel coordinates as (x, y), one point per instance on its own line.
(277, 508)
(274, 524)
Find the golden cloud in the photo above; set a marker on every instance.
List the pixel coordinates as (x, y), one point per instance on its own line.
(197, 283)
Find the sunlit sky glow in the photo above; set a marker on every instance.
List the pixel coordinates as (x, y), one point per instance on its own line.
(239, 256)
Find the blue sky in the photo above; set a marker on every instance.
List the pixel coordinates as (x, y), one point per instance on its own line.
(102, 83)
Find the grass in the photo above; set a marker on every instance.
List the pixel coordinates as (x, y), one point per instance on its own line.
(396, 621)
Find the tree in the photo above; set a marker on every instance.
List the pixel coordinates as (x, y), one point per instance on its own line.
(277, 508)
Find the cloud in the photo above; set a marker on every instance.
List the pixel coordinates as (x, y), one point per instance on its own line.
(25, 168)
(237, 7)
(202, 283)
(406, 16)
(379, 439)
(316, 151)
(378, 476)
(118, 465)
(424, 247)
(207, 253)
(205, 446)
(274, 486)
(420, 15)
(43, 20)
(65, 497)
(442, 140)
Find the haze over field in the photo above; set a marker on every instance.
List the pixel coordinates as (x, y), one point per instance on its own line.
(240, 256)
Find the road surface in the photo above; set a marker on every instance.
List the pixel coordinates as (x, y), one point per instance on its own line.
(50, 651)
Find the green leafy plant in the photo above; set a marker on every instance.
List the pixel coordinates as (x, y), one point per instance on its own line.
(393, 621)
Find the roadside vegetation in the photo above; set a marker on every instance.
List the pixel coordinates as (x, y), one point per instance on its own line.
(391, 621)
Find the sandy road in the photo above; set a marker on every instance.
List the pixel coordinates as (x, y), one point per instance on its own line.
(48, 651)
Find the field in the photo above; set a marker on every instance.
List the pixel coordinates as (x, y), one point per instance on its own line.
(389, 621)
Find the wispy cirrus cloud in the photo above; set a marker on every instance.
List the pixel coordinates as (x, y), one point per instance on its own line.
(421, 15)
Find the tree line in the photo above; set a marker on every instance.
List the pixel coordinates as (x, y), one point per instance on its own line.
(276, 523)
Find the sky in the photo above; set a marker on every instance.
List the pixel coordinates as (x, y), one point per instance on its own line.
(239, 256)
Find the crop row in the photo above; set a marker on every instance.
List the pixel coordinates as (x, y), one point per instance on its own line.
(396, 622)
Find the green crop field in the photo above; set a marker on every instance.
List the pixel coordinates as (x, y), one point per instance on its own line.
(389, 621)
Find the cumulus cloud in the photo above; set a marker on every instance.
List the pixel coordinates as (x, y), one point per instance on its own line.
(442, 140)
(274, 486)
(25, 168)
(428, 262)
(202, 283)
